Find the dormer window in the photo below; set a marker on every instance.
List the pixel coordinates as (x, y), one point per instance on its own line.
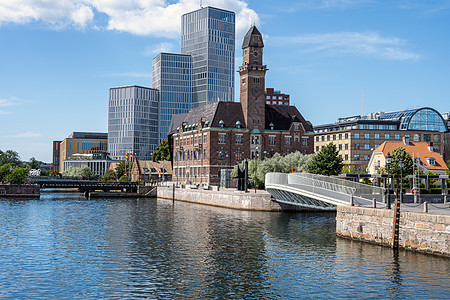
(431, 161)
(271, 126)
(221, 123)
(238, 124)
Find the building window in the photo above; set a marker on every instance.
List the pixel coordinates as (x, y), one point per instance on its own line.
(304, 141)
(204, 154)
(287, 140)
(366, 157)
(356, 157)
(238, 155)
(356, 136)
(397, 136)
(377, 136)
(346, 156)
(346, 136)
(296, 127)
(416, 137)
(255, 139)
(376, 146)
(367, 136)
(387, 136)
(222, 138)
(317, 148)
(427, 137)
(272, 140)
(346, 146)
(328, 137)
(317, 138)
(340, 147)
(323, 138)
(205, 138)
(357, 147)
(366, 147)
(437, 138)
(340, 136)
(334, 137)
(238, 138)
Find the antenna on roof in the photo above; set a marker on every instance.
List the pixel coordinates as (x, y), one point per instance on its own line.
(362, 100)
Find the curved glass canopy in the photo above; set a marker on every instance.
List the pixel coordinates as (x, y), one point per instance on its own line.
(426, 119)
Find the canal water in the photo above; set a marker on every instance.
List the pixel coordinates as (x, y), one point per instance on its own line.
(65, 247)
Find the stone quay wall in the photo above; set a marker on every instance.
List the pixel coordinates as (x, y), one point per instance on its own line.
(260, 201)
(20, 190)
(421, 232)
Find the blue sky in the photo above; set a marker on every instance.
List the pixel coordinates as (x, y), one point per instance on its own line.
(335, 58)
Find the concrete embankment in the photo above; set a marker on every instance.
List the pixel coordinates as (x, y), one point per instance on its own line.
(423, 232)
(20, 190)
(230, 198)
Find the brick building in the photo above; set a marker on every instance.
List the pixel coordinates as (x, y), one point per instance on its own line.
(220, 135)
(276, 97)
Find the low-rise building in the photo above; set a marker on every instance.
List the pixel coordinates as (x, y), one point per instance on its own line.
(423, 152)
(276, 97)
(147, 170)
(97, 162)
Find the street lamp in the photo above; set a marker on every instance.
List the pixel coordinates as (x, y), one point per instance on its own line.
(401, 163)
(256, 154)
(388, 163)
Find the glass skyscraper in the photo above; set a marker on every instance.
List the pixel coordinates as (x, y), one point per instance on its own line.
(132, 122)
(172, 76)
(208, 35)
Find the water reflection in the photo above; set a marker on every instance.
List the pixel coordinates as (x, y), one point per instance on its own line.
(63, 246)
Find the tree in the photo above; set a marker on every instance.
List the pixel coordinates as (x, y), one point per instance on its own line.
(123, 167)
(86, 172)
(34, 163)
(5, 170)
(124, 178)
(278, 163)
(10, 157)
(397, 155)
(162, 151)
(18, 175)
(327, 161)
(109, 175)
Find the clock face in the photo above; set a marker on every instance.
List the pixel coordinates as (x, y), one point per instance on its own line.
(256, 53)
(256, 91)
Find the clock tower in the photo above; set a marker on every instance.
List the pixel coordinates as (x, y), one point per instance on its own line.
(252, 74)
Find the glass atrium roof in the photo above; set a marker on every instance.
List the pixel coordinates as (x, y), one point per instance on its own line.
(424, 118)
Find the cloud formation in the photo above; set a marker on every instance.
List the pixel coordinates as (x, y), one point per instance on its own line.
(355, 43)
(139, 17)
(27, 134)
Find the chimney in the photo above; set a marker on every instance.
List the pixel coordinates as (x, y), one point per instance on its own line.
(406, 140)
(430, 146)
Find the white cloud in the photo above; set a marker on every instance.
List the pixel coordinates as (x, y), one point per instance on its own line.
(355, 43)
(27, 134)
(156, 49)
(140, 17)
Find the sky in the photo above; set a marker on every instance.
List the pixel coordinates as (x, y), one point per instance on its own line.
(335, 58)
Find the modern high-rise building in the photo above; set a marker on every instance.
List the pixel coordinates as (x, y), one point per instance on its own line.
(172, 76)
(208, 35)
(132, 122)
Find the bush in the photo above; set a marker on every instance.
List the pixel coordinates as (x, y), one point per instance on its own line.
(124, 178)
(18, 175)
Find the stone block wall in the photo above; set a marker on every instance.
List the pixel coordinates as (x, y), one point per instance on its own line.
(20, 190)
(417, 231)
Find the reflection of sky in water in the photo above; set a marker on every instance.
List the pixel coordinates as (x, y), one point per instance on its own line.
(65, 246)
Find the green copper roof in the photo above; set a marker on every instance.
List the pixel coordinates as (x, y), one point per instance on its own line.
(255, 131)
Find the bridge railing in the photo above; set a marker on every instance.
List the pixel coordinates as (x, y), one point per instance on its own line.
(356, 187)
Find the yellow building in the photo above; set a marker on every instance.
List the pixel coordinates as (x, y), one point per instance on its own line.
(356, 137)
(82, 143)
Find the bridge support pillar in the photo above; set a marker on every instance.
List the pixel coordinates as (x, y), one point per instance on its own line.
(351, 201)
(374, 203)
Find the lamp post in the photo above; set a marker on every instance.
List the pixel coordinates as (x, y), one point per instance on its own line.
(401, 164)
(388, 163)
(256, 154)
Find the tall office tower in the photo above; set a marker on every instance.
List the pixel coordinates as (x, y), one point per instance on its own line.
(172, 76)
(132, 122)
(208, 34)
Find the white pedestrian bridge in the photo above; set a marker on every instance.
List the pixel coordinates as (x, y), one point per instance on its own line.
(319, 192)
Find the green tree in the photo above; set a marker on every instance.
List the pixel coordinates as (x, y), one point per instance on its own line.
(162, 151)
(124, 178)
(123, 167)
(397, 155)
(278, 163)
(10, 157)
(327, 161)
(109, 175)
(5, 170)
(86, 172)
(18, 175)
(34, 163)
